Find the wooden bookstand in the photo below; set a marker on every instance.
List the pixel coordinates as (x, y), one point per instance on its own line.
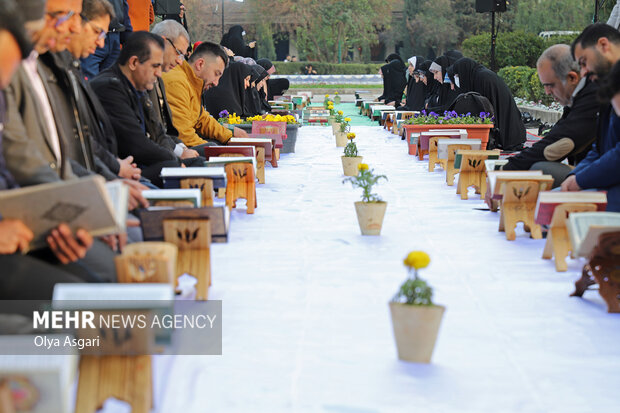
(558, 244)
(126, 378)
(206, 188)
(176, 204)
(147, 262)
(450, 169)
(472, 171)
(389, 121)
(240, 184)
(519, 205)
(604, 269)
(193, 239)
(432, 154)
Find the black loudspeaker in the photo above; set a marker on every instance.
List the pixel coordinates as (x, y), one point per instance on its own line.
(167, 7)
(484, 6)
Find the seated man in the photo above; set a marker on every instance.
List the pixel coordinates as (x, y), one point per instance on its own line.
(572, 136)
(596, 49)
(26, 277)
(122, 90)
(184, 86)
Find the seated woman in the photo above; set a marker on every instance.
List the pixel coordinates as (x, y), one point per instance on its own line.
(394, 82)
(229, 94)
(416, 89)
(444, 94)
(473, 77)
(253, 101)
(263, 89)
(309, 70)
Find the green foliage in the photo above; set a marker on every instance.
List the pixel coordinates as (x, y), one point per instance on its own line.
(350, 150)
(448, 118)
(414, 291)
(523, 82)
(323, 68)
(264, 41)
(512, 49)
(535, 16)
(366, 179)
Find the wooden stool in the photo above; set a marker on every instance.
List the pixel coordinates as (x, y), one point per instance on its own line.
(558, 243)
(450, 169)
(432, 154)
(240, 184)
(472, 171)
(193, 239)
(519, 205)
(126, 378)
(206, 188)
(389, 121)
(604, 269)
(147, 262)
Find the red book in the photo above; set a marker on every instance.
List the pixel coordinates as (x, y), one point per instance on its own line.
(548, 200)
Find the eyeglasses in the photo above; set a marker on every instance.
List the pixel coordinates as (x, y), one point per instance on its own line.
(180, 54)
(60, 16)
(101, 34)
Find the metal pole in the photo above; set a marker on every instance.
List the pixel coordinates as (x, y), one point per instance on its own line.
(596, 7)
(222, 18)
(493, 40)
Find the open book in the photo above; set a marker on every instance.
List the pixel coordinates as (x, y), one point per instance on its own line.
(173, 176)
(192, 195)
(584, 229)
(504, 176)
(223, 161)
(88, 203)
(548, 200)
(151, 220)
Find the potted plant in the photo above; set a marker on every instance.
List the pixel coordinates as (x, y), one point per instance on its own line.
(350, 159)
(415, 318)
(338, 118)
(371, 209)
(341, 134)
(325, 101)
(478, 127)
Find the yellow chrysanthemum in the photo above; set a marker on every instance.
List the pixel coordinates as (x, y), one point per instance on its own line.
(330, 107)
(326, 96)
(340, 112)
(351, 135)
(362, 167)
(417, 260)
(347, 119)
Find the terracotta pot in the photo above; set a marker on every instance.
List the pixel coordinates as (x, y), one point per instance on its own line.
(341, 139)
(335, 127)
(415, 330)
(478, 131)
(370, 216)
(349, 164)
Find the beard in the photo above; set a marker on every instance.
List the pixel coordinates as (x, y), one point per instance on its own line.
(602, 66)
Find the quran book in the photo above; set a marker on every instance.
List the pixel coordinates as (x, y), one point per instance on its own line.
(152, 227)
(79, 203)
(191, 195)
(584, 229)
(458, 157)
(119, 196)
(229, 149)
(503, 176)
(172, 176)
(495, 164)
(548, 200)
(442, 145)
(225, 160)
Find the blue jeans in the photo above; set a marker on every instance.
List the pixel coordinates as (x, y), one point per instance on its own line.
(103, 57)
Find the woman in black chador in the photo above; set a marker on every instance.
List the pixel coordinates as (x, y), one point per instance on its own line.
(416, 89)
(234, 41)
(445, 94)
(229, 94)
(394, 82)
(253, 100)
(471, 76)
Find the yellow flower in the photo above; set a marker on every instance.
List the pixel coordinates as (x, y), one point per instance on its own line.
(340, 112)
(362, 167)
(347, 119)
(336, 92)
(326, 96)
(417, 260)
(351, 135)
(330, 107)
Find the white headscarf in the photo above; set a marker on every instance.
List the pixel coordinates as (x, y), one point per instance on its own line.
(412, 60)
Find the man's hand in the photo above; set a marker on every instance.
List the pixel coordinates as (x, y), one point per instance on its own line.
(239, 133)
(129, 170)
(67, 247)
(570, 184)
(189, 153)
(136, 199)
(14, 236)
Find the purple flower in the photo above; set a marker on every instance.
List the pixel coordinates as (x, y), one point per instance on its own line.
(440, 120)
(423, 112)
(468, 114)
(433, 114)
(223, 113)
(483, 115)
(454, 114)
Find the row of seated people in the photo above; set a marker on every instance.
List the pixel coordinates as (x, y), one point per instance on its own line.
(58, 125)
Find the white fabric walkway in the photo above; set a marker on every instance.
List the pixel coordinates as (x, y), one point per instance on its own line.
(306, 320)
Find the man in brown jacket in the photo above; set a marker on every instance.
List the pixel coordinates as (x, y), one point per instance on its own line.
(184, 86)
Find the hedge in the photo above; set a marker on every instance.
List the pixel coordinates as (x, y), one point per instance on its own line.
(523, 82)
(296, 68)
(512, 49)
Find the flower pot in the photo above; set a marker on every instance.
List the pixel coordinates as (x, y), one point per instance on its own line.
(341, 139)
(337, 100)
(415, 330)
(335, 127)
(288, 145)
(370, 216)
(349, 164)
(474, 131)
